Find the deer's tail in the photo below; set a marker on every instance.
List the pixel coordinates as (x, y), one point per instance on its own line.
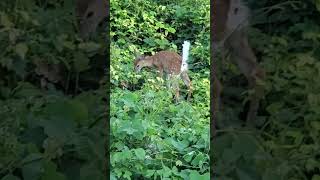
(185, 55)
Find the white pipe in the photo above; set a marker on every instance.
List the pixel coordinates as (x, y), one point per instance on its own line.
(185, 55)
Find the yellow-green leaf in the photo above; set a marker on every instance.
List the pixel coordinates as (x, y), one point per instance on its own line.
(5, 21)
(21, 49)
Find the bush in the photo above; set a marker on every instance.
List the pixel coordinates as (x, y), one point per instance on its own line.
(150, 135)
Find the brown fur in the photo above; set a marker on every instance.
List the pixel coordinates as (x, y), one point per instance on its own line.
(90, 14)
(220, 14)
(242, 54)
(167, 62)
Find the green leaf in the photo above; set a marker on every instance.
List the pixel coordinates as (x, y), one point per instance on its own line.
(315, 125)
(32, 157)
(245, 145)
(317, 2)
(140, 153)
(198, 160)
(58, 127)
(5, 21)
(127, 175)
(21, 50)
(112, 176)
(89, 46)
(69, 110)
(179, 145)
(150, 172)
(188, 157)
(271, 174)
(194, 175)
(10, 177)
(62, 117)
(316, 177)
(51, 173)
(178, 163)
(150, 41)
(243, 175)
(171, 30)
(80, 112)
(81, 62)
(26, 89)
(69, 44)
(90, 171)
(165, 171)
(229, 156)
(32, 170)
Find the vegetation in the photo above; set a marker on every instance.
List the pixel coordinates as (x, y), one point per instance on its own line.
(52, 106)
(53, 92)
(151, 136)
(285, 36)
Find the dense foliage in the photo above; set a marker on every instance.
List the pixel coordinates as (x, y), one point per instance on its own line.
(151, 136)
(52, 106)
(52, 94)
(285, 36)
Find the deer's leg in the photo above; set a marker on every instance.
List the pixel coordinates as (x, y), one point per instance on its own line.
(175, 86)
(168, 81)
(160, 72)
(242, 53)
(177, 94)
(186, 80)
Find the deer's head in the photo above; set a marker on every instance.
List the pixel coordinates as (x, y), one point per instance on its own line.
(140, 62)
(228, 15)
(90, 14)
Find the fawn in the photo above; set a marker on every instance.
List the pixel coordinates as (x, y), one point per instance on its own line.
(90, 13)
(170, 63)
(229, 30)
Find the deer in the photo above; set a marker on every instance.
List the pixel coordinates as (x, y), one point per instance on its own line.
(229, 23)
(90, 14)
(171, 64)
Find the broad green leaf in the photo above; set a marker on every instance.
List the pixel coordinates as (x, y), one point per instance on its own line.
(149, 172)
(10, 177)
(5, 21)
(25, 89)
(243, 175)
(89, 46)
(32, 170)
(188, 157)
(194, 175)
(32, 157)
(81, 62)
(140, 153)
(112, 176)
(229, 156)
(127, 175)
(271, 174)
(246, 145)
(317, 2)
(316, 177)
(198, 160)
(179, 145)
(90, 171)
(51, 173)
(21, 49)
(178, 163)
(80, 110)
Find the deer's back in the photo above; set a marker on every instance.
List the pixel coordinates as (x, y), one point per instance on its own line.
(169, 61)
